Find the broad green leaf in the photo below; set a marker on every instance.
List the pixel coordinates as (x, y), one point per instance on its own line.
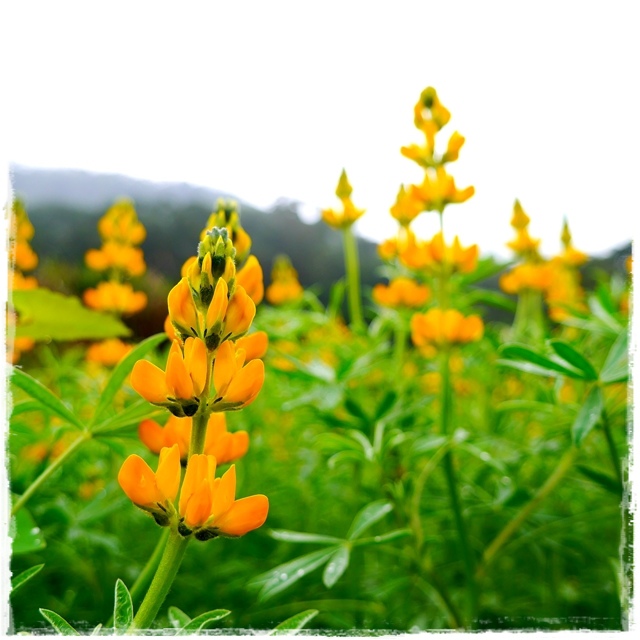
(520, 352)
(588, 416)
(21, 578)
(386, 404)
(26, 534)
(58, 623)
(616, 366)
(603, 315)
(122, 370)
(284, 575)
(336, 566)
(574, 358)
(527, 367)
(302, 538)
(603, 479)
(368, 516)
(44, 396)
(122, 608)
(391, 536)
(48, 315)
(356, 410)
(292, 625)
(178, 618)
(202, 620)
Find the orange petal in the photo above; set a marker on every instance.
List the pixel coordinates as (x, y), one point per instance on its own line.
(149, 381)
(139, 482)
(152, 435)
(246, 384)
(225, 494)
(168, 474)
(244, 515)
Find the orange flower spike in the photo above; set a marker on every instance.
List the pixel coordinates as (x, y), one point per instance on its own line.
(176, 431)
(240, 313)
(255, 345)
(251, 278)
(223, 493)
(150, 381)
(168, 473)
(182, 309)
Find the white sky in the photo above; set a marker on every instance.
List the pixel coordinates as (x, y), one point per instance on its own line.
(270, 99)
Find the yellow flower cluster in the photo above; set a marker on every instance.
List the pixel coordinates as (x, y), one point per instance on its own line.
(401, 292)
(445, 327)
(344, 218)
(284, 286)
(212, 367)
(434, 255)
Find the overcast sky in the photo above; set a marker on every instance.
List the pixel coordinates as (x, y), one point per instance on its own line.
(272, 99)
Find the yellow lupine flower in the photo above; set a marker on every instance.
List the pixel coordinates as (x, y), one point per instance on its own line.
(435, 253)
(453, 147)
(114, 255)
(406, 208)
(116, 297)
(179, 386)
(182, 309)
(219, 442)
(120, 223)
(520, 220)
(208, 506)
(445, 327)
(284, 285)
(254, 344)
(251, 278)
(153, 492)
(349, 213)
(236, 384)
(24, 257)
(438, 189)
(401, 292)
(527, 276)
(108, 352)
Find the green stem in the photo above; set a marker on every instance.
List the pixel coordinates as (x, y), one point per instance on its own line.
(161, 583)
(502, 538)
(198, 432)
(452, 486)
(399, 346)
(613, 451)
(44, 476)
(352, 268)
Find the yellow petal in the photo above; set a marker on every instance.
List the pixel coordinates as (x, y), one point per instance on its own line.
(149, 381)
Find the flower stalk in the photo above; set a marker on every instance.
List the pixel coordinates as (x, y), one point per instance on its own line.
(352, 267)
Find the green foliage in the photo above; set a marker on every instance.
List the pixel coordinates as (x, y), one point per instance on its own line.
(25, 576)
(48, 315)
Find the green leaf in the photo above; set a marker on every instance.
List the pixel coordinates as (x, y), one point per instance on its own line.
(302, 538)
(526, 405)
(48, 315)
(391, 536)
(292, 625)
(134, 414)
(178, 618)
(44, 396)
(336, 566)
(120, 373)
(345, 456)
(616, 365)
(491, 298)
(58, 623)
(335, 299)
(603, 479)
(368, 516)
(525, 354)
(26, 534)
(200, 621)
(25, 407)
(386, 404)
(356, 410)
(122, 608)
(574, 358)
(588, 416)
(23, 577)
(284, 575)
(527, 367)
(96, 630)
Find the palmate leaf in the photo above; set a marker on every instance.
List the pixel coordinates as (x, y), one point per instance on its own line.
(122, 608)
(367, 517)
(48, 315)
(283, 576)
(199, 622)
(292, 625)
(58, 623)
(588, 416)
(23, 577)
(336, 566)
(44, 396)
(616, 365)
(178, 618)
(520, 353)
(574, 358)
(26, 534)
